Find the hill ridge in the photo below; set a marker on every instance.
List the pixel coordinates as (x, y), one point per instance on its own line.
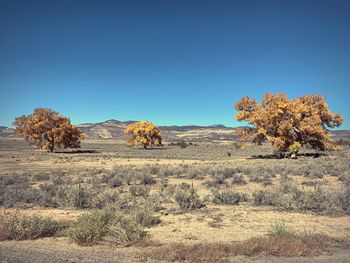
(114, 129)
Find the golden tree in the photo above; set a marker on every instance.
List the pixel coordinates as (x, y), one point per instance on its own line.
(143, 133)
(288, 124)
(47, 129)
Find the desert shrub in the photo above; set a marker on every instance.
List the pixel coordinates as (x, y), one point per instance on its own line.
(287, 184)
(345, 179)
(144, 216)
(228, 172)
(118, 176)
(139, 190)
(264, 179)
(265, 197)
(16, 226)
(147, 179)
(239, 179)
(58, 178)
(163, 181)
(166, 171)
(90, 228)
(188, 199)
(273, 197)
(194, 172)
(12, 179)
(216, 181)
(317, 200)
(166, 193)
(228, 197)
(19, 195)
(184, 186)
(279, 229)
(344, 199)
(115, 182)
(181, 144)
(316, 173)
(78, 196)
(52, 195)
(16, 191)
(105, 198)
(105, 226)
(40, 177)
(127, 178)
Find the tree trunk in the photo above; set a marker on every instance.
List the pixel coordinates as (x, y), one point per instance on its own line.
(51, 147)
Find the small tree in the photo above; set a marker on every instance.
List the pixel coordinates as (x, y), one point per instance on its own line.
(288, 124)
(48, 130)
(143, 133)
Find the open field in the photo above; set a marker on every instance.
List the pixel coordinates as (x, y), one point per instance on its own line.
(204, 197)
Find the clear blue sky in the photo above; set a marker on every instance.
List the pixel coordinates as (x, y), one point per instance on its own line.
(170, 62)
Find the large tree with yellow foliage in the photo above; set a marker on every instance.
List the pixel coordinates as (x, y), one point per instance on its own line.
(143, 133)
(288, 124)
(48, 130)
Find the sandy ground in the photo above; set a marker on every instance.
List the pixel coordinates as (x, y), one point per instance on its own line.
(57, 250)
(241, 223)
(237, 223)
(217, 223)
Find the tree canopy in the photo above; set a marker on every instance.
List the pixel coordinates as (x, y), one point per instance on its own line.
(143, 133)
(288, 124)
(48, 130)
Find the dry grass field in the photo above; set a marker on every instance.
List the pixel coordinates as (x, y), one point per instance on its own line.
(206, 202)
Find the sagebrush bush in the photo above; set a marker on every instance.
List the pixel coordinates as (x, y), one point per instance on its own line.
(229, 197)
(110, 226)
(139, 190)
(78, 196)
(317, 200)
(344, 199)
(265, 197)
(147, 179)
(19, 195)
(144, 215)
(216, 181)
(188, 199)
(105, 198)
(16, 226)
(115, 182)
(184, 186)
(239, 179)
(264, 179)
(279, 229)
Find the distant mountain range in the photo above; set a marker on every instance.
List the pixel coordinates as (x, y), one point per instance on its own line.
(114, 129)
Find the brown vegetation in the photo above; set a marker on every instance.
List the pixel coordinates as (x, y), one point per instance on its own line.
(288, 124)
(282, 243)
(48, 130)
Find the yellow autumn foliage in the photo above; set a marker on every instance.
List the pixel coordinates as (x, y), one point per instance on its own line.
(143, 133)
(288, 124)
(47, 129)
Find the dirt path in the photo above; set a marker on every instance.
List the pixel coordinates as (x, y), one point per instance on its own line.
(60, 250)
(57, 250)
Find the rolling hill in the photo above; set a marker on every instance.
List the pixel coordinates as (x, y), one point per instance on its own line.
(114, 129)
